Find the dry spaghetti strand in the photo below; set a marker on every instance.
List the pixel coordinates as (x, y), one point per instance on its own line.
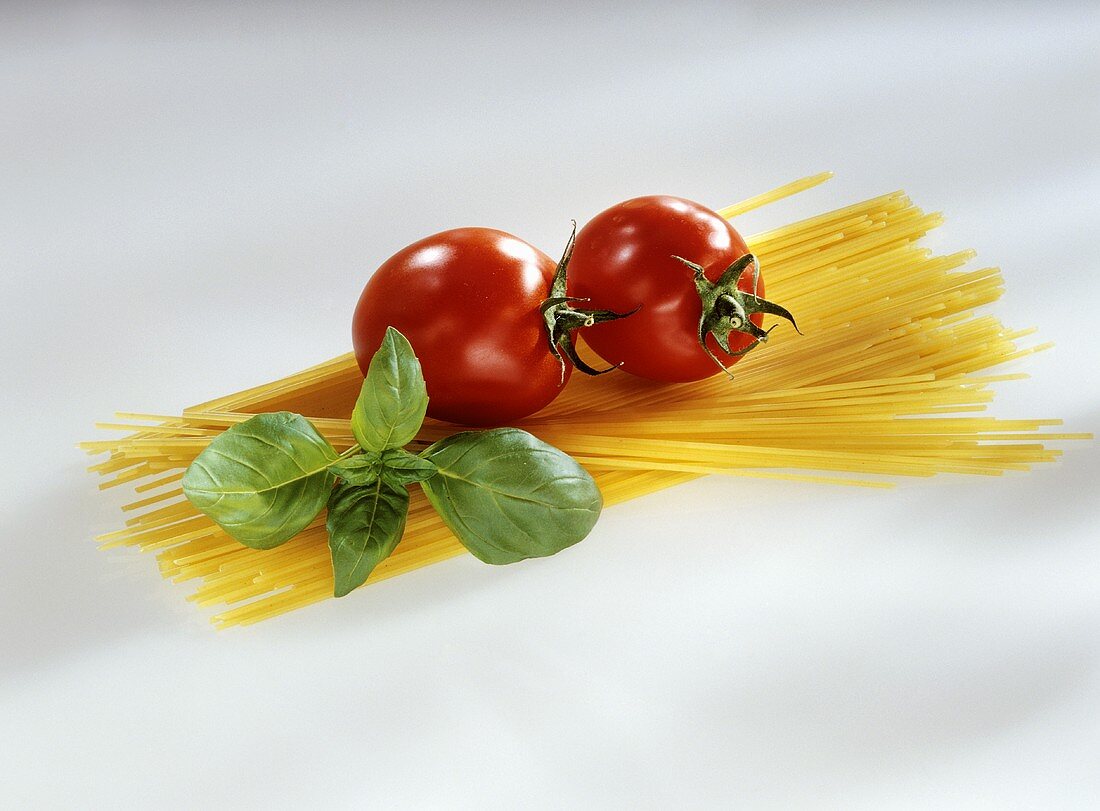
(891, 382)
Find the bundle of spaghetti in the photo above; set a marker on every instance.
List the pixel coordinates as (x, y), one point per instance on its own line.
(889, 379)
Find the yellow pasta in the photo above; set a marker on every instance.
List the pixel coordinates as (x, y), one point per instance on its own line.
(891, 381)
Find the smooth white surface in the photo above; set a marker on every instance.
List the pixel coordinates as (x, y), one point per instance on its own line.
(190, 201)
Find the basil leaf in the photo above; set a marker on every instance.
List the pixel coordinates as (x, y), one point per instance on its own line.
(263, 480)
(399, 467)
(393, 400)
(508, 495)
(364, 525)
(360, 469)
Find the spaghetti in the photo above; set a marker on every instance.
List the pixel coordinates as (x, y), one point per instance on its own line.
(889, 382)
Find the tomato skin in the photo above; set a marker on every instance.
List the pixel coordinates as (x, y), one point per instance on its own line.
(468, 301)
(623, 259)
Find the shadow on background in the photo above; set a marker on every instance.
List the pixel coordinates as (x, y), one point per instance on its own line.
(70, 597)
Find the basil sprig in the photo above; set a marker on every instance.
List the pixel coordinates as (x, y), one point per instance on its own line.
(505, 494)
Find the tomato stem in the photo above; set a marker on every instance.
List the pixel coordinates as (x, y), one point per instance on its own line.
(726, 308)
(562, 319)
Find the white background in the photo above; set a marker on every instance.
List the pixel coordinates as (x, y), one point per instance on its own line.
(191, 199)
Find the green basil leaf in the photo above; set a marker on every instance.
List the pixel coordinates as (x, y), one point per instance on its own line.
(360, 469)
(508, 495)
(399, 467)
(364, 525)
(393, 400)
(263, 480)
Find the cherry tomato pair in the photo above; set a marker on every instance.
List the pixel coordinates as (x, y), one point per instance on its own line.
(664, 288)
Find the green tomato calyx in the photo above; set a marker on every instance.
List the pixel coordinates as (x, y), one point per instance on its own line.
(563, 319)
(726, 308)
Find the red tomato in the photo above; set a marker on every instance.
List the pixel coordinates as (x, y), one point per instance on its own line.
(626, 257)
(468, 301)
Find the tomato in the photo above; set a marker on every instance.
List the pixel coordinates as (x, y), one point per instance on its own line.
(691, 275)
(485, 313)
